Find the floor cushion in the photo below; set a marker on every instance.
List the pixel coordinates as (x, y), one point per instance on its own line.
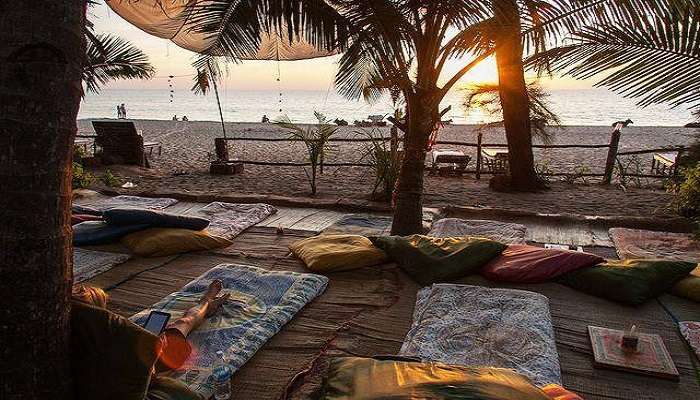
(429, 259)
(75, 219)
(111, 357)
(629, 281)
(556, 392)
(530, 264)
(155, 219)
(327, 253)
(99, 232)
(689, 287)
(351, 378)
(158, 242)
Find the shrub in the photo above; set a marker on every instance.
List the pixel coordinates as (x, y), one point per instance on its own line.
(81, 177)
(315, 139)
(385, 163)
(687, 199)
(109, 179)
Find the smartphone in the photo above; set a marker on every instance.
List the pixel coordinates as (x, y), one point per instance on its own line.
(156, 322)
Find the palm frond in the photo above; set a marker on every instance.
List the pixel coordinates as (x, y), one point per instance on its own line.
(110, 57)
(239, 24)
(487, 98)
(657, 60)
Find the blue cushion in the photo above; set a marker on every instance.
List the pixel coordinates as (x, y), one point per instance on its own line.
(154, 219)
(98, 232)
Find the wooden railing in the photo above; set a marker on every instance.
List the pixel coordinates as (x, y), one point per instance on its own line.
(612, 154)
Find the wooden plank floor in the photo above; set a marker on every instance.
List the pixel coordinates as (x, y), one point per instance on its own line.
(368, 311)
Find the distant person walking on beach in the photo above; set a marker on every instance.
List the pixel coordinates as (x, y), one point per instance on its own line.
(175, 117)
(123, 111)
(265, 119)
(119, 111)
(184, 118)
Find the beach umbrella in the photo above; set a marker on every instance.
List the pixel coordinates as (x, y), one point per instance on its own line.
(180, 22)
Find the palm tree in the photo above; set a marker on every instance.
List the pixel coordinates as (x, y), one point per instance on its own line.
(40, 73)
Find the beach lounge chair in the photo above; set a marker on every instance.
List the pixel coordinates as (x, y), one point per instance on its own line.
(121, 143)
(495, 159)
(663, 164)
(451, 162)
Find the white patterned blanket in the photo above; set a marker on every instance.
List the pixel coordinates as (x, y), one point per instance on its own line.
(106, 203)
(504, 232)
(639, 243)
(478, 326)
(228, 220)
(89, 263)
(261, 303)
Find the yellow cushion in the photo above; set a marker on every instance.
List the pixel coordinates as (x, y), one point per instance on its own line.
(689, 287)
(327, 253)
(158, 242)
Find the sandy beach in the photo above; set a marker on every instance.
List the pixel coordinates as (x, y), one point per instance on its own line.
(188, 147)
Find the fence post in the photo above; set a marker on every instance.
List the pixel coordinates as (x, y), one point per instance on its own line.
(478, 155)
(221, 149)
(394, 142)
(612, 155)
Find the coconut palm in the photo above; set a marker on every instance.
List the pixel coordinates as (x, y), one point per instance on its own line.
(404, 45)
(42, 60)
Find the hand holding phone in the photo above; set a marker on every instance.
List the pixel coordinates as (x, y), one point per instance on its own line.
(156, 322)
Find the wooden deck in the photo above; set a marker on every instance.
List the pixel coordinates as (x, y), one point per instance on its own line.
(368, 311)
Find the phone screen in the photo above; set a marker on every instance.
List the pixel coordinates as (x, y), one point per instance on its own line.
(156, 322)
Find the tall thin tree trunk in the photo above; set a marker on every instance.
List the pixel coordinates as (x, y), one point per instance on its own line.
(408, 215)
(514, 97)
(41, 60)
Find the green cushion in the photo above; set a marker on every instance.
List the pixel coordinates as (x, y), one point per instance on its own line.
(352, 378)
(111, 357)
(429, 259)
(629, 281)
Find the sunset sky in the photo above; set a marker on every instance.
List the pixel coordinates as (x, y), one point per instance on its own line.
(318, 74)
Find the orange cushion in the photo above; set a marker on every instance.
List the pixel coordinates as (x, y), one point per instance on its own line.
(158, 242)
(556, 392)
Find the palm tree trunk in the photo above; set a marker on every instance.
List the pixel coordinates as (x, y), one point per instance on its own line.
(408, 214)
(514, 97)
(41, 60)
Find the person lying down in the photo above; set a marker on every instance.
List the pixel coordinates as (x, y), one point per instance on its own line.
(112, 358)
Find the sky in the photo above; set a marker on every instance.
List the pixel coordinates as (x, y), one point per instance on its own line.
(169, 59)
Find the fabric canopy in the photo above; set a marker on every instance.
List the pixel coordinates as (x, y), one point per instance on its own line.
(171, 19)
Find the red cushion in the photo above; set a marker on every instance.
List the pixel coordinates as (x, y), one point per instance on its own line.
(78, 218)
(530, 264)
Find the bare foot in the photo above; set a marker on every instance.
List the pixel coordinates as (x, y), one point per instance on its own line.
(216, 303)
(214, 288)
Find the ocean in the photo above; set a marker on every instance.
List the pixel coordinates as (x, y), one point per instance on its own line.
(593, 107)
